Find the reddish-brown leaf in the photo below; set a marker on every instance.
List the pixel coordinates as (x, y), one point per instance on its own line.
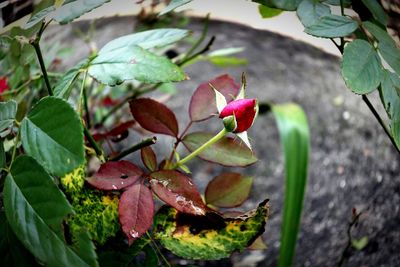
(228, 190)
(202, 104)
(154, 116)
(149, 158)
(136, 211)
(177, 190)
(115, 175)
(115, 133)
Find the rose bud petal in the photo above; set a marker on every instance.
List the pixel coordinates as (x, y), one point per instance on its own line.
(244, 111)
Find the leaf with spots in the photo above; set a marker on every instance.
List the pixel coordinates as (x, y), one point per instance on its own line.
(177, 190)
(208, 237)
(115, 175)
(136, 211)
(154, 116)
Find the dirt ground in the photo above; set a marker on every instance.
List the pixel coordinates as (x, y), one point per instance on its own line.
(352, 163)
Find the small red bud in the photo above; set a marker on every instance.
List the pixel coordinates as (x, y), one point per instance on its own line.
(245, 111)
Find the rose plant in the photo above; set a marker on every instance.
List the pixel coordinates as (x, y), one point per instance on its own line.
(69, 198)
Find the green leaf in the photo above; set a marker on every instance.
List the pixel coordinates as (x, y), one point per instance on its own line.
(71, 10)
(64, 85)
(310, 11)
(133, 62)
(361, 243)
(173, 5)
(389, 93)
(268, 12)
(146, 39)
(168, 88)
(12, 252)
(361, 68)
(35, 209)
(8, 111)
(224, 62)
(377, 11)
(332, 26)
(228, 190)
(227, 151)
(225, 51)
(288, 5)
(386, 46)
(295, 141)
(39, 16)
(346, 3)
(52, 134)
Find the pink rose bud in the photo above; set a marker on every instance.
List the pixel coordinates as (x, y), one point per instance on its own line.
(244, 111)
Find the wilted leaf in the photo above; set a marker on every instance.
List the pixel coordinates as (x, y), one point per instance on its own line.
(310, 11)
(154, 116)
(52, 133)
(202, 104)
(177, 190)
(332, 26)
(258, 244)
(149, 158)
(228, 190)
(31, 198)
(115, 175)
(8, 111)
(361, 68)
(136, 211)
(208, 237)
(228, 151)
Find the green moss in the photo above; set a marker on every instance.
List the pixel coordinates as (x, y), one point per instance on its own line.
(234, 234)
(95, 211)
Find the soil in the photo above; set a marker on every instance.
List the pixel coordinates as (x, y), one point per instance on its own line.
(352, 162)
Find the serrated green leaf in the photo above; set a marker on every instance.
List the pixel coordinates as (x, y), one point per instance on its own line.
(133, 62)
(268, 12)
(35, 209)
(227, 151)
(8, 111)
(64, 85)
(71, 10)
(391, 100)
(173, 5)
(361, 68)
(52, 133)
(146, 39)
(208, 237)
(377, 11)
(310, 11)
(332, 26)
(295, 141)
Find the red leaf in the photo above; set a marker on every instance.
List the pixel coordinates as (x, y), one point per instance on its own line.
(136, 211)
(154, 116)
(116, 132)
(177, 190)
(202, 104)
(228, 190)
(149, 158)
(115, 175)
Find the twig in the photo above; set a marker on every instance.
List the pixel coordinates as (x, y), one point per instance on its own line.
(95, 146)
(202, 51)
(144, 143)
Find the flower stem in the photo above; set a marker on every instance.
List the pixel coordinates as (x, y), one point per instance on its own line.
(210, 142)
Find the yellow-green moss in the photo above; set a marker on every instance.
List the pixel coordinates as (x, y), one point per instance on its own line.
(95, 211)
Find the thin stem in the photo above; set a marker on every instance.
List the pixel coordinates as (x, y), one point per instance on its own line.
(85, 102)
(202, 51)
(200, 40)
(36, 45)
(179, 139)
(210, 142)
(95, 146)
(381, 122)
(144, 143)
(158, 250)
